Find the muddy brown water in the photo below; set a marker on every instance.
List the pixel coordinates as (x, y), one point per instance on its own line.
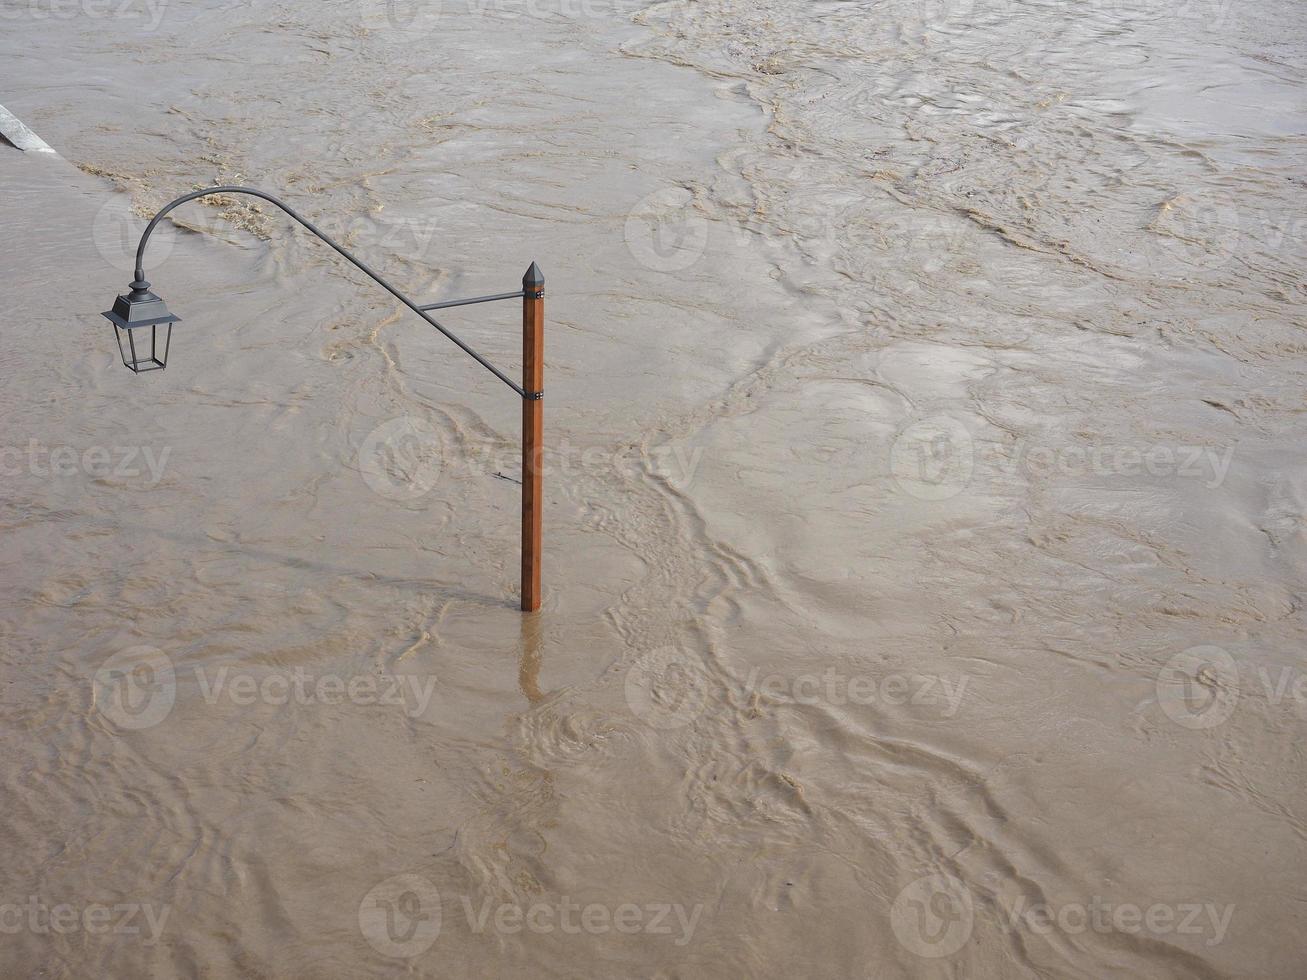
(924, 529)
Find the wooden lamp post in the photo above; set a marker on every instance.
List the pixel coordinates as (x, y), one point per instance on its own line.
(533, 432)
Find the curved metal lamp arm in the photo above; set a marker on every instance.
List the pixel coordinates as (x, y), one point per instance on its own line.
(140, 282)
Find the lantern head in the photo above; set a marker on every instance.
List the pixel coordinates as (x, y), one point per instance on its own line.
(142, 319)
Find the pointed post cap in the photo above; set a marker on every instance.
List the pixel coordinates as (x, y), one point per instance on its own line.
(534, 278)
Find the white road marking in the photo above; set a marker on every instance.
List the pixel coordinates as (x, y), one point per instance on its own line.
(12, 128)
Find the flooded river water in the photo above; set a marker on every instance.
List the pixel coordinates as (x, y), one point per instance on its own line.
(924, 535)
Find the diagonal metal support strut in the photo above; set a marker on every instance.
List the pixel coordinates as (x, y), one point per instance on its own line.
(377, 278)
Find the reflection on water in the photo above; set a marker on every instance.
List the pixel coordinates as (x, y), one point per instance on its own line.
(528, 673)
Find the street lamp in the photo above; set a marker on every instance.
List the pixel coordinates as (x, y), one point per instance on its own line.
(134, 311)
(139, 308)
